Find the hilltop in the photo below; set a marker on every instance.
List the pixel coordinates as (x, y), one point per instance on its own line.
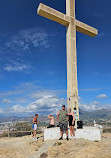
(25, 147)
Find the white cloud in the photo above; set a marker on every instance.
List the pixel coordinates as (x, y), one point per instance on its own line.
(9, 93)
(79, 98)
(29, 97)
(91, 106)
(45, 104)
(22, 100)
(15, 66)
(25, 39)
(94, 106)
(18, 109)
(6, 101)
(50, 103)
(41, 94)
(90, 89)
(15, 47)
(26, 90)
(101, 96)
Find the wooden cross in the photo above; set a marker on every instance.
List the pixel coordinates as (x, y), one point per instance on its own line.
(72, 25)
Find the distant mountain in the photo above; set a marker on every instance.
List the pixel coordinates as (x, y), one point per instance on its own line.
(40, 118)
(104, 114)
(16, 118)
(10, 119)
(95, 115)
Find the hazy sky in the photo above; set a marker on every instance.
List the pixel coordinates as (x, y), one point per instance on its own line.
(33, 57)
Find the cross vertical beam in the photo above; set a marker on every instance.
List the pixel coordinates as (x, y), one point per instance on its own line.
(72, 87)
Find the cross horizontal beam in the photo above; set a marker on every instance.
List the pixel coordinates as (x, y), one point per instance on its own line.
(86, 29)
(53, 14)
(63, 19)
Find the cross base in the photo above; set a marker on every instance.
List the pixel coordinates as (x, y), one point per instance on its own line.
(88, 133)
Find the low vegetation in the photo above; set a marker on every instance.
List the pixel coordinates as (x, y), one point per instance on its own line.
(107, 130)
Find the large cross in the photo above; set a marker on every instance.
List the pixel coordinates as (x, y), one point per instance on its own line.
(69, 20)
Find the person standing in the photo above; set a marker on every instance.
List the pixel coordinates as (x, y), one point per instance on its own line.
(71, 123)
(35, 121)
(52, 121)
(62, 119)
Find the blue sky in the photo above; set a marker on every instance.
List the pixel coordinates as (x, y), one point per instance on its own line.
(33, 58)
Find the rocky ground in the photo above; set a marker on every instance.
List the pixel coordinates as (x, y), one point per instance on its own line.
(19, 147)
(81, 148)
(25, 147)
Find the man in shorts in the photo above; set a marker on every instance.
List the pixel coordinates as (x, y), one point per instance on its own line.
(62, 119)
(35, 125)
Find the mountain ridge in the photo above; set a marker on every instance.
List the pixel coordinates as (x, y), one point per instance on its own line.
(84, 115)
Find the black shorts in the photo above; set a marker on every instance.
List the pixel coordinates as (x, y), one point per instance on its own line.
(63, 126)
(70, 123)
(50, 126)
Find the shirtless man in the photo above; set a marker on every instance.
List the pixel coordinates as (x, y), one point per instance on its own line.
(52, 121)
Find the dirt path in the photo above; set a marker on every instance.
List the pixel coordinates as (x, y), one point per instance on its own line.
(43, 149)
